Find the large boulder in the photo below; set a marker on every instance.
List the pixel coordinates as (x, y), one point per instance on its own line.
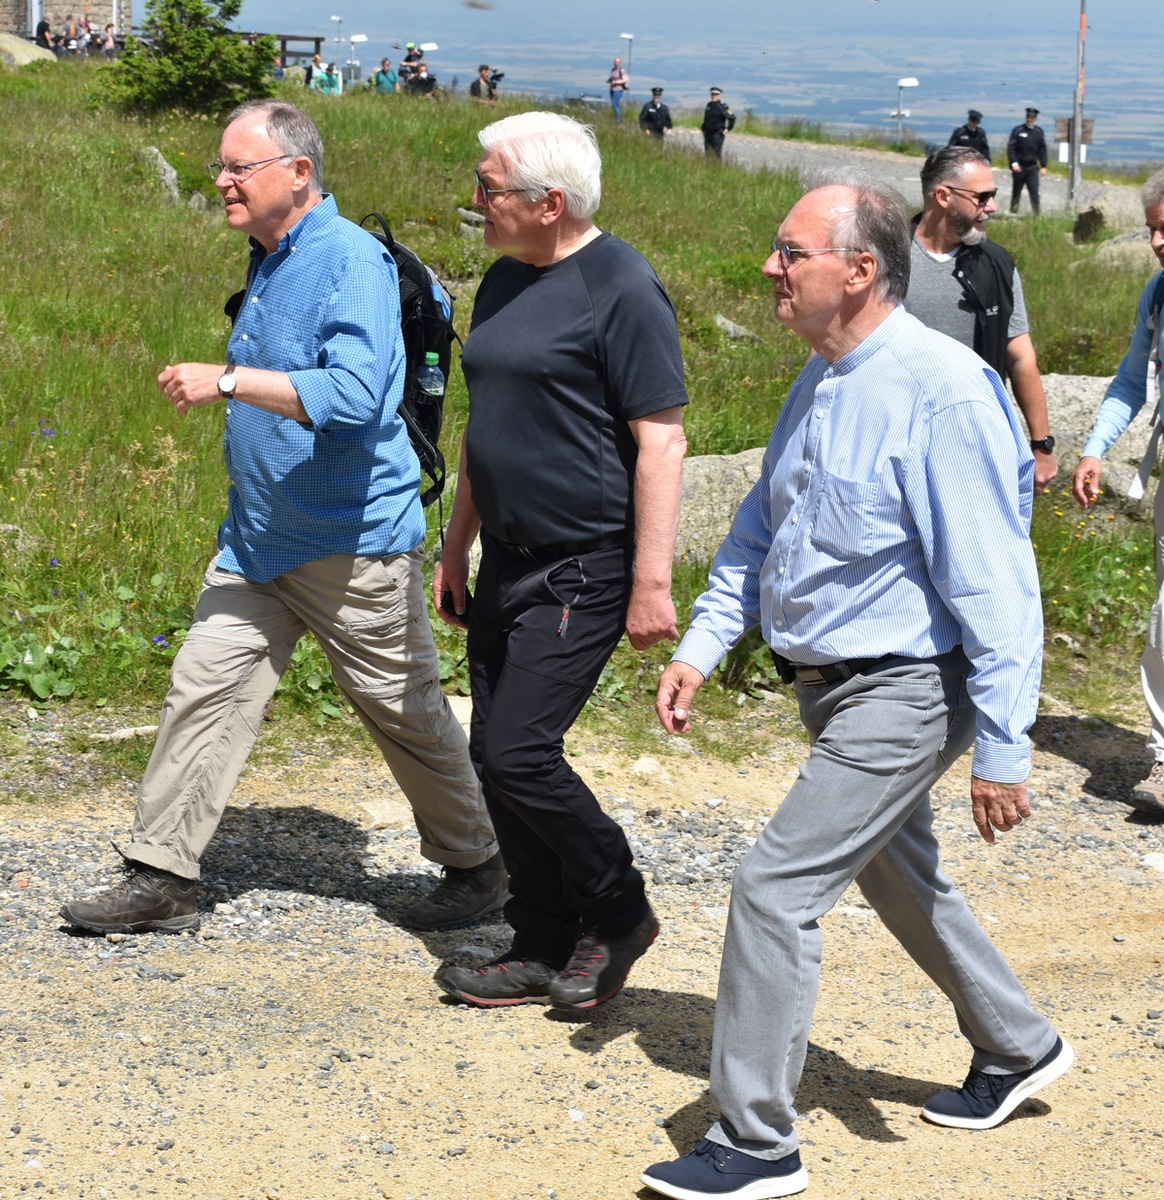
(1072, 402)
(713, 486)
(1130, 252)
(1118, 209)
(17, 51)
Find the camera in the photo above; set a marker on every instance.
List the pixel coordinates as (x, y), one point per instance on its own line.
(495, 77)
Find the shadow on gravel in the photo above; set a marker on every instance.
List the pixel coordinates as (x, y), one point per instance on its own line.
(1115, 757)
(302, 849)
(832, 1084)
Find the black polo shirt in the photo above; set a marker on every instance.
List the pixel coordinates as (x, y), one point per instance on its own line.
(558, 360)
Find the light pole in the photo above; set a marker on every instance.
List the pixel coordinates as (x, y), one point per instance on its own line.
(1075, 170)
(902, 84)
(629, 38)
(339, 33)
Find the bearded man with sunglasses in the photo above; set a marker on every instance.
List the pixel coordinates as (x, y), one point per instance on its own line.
(885, 555)
(324, 533)
(966, 286)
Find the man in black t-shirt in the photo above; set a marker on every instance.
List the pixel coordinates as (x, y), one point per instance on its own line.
(571, 471)
(484, 87)
(44, 34)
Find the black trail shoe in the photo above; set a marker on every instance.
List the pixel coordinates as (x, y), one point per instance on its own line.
(464, 895)
(984, 1101)
(599, 966)
(505, 980)
(149, 901)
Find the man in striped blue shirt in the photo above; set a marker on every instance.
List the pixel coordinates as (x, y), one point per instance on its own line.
(885, 554)
(323, 533)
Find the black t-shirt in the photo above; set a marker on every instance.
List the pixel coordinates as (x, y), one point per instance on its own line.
(558, 360)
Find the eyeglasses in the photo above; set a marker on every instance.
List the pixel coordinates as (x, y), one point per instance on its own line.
(241, 172)
(787, 251)
(982, 199)
(487, 192)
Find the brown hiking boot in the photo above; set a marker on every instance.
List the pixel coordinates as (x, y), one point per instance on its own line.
(149, 901)
(1148, 795)
(464, 895)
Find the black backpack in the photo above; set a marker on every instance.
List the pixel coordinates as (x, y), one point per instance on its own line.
(426, 319)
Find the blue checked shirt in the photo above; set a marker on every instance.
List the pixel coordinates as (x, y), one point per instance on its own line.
(892, 516)
(324, 307)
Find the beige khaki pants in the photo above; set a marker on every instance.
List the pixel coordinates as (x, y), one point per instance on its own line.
(369, 617)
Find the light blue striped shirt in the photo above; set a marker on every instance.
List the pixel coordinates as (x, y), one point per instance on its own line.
(892, 516)
(1128, 390)
(324, 306)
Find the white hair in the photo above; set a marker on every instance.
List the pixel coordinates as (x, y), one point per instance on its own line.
(543, 150)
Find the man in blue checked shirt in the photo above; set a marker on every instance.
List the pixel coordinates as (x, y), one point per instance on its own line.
(324, 533)
(885, 554)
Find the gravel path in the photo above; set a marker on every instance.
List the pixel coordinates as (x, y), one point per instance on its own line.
(296, 1047)
(901, 170)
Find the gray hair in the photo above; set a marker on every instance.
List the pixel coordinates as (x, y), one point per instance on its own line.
(292, 130)
(948, 163)
(1152, 193)
(877, 221)
(543, 150)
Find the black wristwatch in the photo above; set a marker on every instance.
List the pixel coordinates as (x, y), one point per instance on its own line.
(1047, 444)
(227, 382)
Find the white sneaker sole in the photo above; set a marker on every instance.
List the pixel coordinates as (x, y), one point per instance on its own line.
(1059, 1065)
(762, 1189)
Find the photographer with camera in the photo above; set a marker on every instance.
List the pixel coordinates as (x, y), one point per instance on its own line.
(484, 87)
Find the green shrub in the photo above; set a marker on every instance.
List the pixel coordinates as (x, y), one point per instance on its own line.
(192, 60)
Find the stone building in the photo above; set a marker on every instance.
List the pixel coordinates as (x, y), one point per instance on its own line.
(22, 16)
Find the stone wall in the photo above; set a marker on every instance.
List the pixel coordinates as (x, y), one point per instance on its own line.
(21, 16)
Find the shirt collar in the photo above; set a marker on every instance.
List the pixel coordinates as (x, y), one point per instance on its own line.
(312, 219)
(863, 351)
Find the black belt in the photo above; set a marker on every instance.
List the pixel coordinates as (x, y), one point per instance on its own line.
(559, 549)
(836, 672)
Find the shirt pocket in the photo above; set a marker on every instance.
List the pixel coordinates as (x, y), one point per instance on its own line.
(845, 521)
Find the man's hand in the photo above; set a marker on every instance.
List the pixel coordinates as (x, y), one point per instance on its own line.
(189, 385)
(1001, 806)
(451, 578)
(677, 687)
(1085, 483)
(1046, 468)
(650, 617)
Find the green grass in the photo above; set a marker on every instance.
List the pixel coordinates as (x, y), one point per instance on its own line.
(110, 501)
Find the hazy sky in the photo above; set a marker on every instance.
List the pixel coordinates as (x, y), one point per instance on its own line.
(835, 61)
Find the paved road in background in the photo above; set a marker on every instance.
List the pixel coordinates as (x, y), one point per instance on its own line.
(900, 170)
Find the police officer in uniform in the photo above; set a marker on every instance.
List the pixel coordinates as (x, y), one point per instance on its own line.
(655, 116)
(971, 135)
(1026, 151)
(718, 120)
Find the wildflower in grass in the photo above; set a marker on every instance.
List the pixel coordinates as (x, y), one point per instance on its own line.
(160, 639)
(53, 562)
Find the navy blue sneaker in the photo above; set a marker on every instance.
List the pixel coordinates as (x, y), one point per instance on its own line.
(714, 1170)
(984, 1101)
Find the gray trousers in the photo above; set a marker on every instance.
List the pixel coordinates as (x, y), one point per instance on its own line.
(859, 810)
(370, 617)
